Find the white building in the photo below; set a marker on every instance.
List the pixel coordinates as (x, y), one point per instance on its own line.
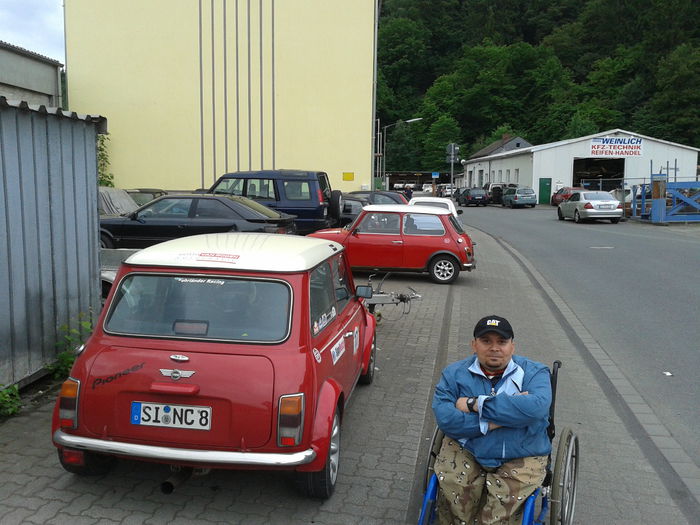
(605, 161)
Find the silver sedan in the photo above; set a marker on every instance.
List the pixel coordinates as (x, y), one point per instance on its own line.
(585, 204)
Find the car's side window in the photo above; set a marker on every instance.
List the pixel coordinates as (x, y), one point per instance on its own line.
(383, 199)
(297, 190)
(167, 209)
(321, 298)
(422, 224)
(263, 189)
(212, 209)
(341, 283)
(380, 222)
(230, 186)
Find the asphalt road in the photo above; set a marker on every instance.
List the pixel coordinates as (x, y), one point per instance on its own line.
(635, 288)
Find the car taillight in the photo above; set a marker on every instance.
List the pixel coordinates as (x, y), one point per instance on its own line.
(68, 403)
(588, 206)
(290, 420)
(320, 196)
(515, 197)
(619, 205)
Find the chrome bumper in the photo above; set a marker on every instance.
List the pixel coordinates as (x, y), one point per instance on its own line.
(183, 454)
(469, 266)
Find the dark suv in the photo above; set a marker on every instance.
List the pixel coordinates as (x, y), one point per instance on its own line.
(305, 194)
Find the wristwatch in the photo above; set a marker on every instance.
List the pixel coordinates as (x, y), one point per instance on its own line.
(470, 403)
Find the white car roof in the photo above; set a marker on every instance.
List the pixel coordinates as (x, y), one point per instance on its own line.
(264, 252)
(415, 200)
(407, 208)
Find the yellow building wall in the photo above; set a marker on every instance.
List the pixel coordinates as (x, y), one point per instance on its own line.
(193, 89)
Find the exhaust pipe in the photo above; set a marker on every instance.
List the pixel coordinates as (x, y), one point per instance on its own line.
(179, 476)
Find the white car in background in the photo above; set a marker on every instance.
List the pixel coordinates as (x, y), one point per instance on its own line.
(436, 202)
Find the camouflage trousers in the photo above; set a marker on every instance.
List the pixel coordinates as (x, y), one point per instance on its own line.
(472, 494)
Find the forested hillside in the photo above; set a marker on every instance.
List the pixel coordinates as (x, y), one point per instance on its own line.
(546, 70)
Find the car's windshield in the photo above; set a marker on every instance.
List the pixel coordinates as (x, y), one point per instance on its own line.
(201, 307)
(597, 196)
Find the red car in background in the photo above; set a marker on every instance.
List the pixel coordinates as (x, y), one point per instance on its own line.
(563, 193)
(229, 350)
(406, 238)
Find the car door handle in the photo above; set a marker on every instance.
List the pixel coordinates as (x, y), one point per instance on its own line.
(396, 242)
(348, 334)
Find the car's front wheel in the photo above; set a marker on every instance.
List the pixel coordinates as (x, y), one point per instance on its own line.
(443, 269)
(322, 484)
(368, 377)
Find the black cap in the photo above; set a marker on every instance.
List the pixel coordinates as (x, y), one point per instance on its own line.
(493, 323)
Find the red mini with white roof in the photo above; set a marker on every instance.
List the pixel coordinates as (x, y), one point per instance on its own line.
(227, 350)
(408, 238)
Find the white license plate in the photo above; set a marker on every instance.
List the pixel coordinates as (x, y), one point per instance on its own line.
(171, 416)
(605, 206)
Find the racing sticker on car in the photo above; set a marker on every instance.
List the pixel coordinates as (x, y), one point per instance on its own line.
(356, 340)
(322, 321)
(317, 355)
(338, 350)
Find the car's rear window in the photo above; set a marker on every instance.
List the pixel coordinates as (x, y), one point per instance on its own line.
(201, 307)
(257, 207)
(526, 191)
(476, 192)
(597, 196)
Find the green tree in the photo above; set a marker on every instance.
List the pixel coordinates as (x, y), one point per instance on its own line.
(445, 130)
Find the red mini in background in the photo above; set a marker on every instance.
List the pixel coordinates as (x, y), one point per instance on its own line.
(406, 238)
(225, 350)
(562, 194)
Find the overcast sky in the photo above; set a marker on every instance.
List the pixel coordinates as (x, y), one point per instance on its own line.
(35, 25)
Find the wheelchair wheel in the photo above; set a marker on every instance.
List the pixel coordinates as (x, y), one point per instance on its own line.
(435, 445)
(563, 498)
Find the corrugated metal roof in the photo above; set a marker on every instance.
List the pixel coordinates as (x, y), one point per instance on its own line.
(99, 120)
(31, 54)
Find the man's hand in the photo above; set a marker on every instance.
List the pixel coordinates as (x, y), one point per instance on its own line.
(461, 404)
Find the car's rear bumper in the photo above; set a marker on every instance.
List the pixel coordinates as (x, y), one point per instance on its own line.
(184, 455)
(600, 214)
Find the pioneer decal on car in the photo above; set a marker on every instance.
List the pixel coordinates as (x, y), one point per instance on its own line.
(99, 381)
(338, 350)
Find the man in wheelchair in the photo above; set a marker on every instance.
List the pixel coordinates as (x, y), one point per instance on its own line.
(494, 410)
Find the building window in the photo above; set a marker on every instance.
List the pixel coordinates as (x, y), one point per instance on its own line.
(500, 175)
(507, 175)
(517, 175)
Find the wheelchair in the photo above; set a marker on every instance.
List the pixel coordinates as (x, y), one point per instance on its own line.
(557, 495)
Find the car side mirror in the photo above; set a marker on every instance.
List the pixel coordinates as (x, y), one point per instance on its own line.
(459, 212)
(341, 294)
(363, 291)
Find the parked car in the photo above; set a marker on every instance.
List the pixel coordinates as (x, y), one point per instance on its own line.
(406, 238)
(437, 202)
(584, 204)
(143, 195)
(305, 194)
(114, 201)
(475, 196)
(232, 351)
(352, 206)
(516, 197)
(562, 194)
(456, 193)
(176, 216)
(495, 190)
(427, 187)
(382, 197)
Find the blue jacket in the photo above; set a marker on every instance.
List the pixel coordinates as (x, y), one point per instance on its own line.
(524, 418)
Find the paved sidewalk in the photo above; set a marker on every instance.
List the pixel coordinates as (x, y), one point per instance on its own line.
(384, 431)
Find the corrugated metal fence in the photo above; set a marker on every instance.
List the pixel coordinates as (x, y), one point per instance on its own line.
(49, 267)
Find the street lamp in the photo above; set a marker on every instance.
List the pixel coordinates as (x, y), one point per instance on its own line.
(383, 161)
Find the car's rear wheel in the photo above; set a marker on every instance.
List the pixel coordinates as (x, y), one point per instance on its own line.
(577, 217)
(93, 464)
(368, 377)
(560, 215)
(443, 269)
(105, 241)
(615, 220)
(322, 484)
(336, 204)
(512, 205)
